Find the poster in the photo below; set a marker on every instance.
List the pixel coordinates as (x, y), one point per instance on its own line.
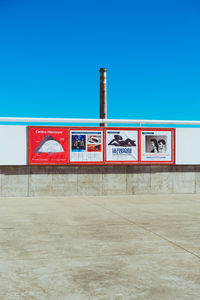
(122, 145)
(86, 146)
(47, 145)
(157, 145)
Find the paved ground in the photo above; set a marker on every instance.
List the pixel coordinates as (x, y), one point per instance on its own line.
(128, 247)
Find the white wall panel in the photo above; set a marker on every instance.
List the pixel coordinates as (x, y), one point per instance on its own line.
(188, 146)
(13, 145)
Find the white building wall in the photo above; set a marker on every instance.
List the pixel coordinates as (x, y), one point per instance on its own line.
(188, 146)
(13, 145)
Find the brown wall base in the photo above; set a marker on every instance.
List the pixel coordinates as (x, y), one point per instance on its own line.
(97, 180)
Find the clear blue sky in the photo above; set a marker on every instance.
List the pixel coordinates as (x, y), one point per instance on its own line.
(51, 52)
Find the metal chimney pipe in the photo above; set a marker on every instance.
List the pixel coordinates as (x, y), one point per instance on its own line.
(103, 96)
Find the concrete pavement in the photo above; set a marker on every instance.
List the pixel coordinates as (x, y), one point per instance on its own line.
(105, 247)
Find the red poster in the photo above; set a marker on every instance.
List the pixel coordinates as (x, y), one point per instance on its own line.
(47, 145)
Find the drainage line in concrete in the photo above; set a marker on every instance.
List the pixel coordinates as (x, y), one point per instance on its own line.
(140, 226)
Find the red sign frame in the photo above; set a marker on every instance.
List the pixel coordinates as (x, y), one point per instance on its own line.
(64, 158)
(86, 162)
(38, 136)
(172, 161)
(111, 162)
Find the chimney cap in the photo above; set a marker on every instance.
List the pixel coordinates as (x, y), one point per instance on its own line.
(102, 70)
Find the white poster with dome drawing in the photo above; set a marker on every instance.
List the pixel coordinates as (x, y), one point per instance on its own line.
(157, 145)
(121, 145)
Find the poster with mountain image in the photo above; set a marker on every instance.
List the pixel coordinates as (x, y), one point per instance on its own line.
(47, 145)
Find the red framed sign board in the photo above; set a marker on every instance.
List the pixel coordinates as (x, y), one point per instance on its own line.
(157, 146)
(47, 145)
(97, 145)
(86, 145)
(121, 145)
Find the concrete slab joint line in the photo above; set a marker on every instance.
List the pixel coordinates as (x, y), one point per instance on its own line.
(146, 229)
(100, 247)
